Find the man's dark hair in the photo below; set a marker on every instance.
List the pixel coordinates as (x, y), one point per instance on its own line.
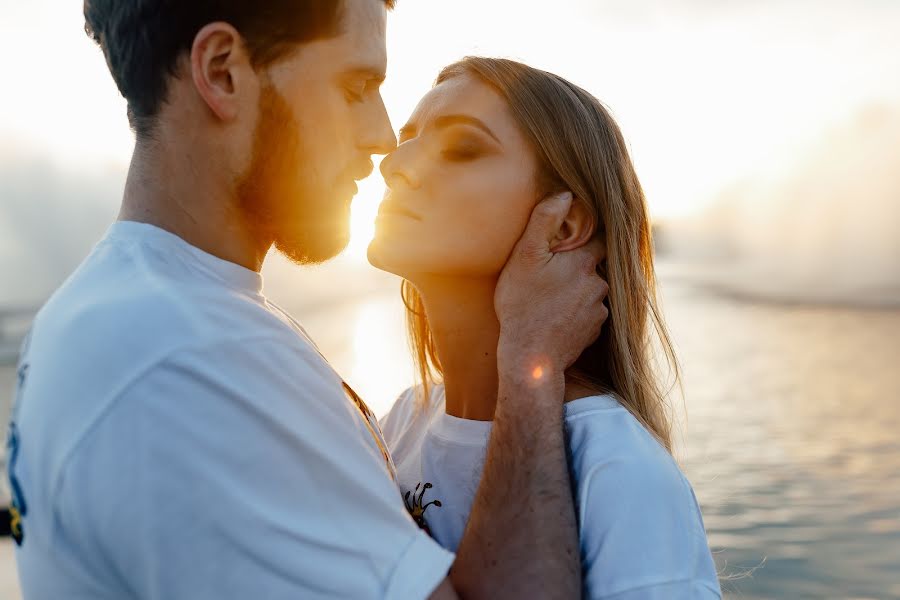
(142, 39)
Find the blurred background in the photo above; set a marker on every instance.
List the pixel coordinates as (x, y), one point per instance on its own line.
(767, 136)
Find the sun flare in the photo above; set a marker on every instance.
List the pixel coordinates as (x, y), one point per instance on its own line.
(362, 216)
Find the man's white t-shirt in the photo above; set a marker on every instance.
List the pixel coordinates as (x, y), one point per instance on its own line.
(177, 436)
(642, 534)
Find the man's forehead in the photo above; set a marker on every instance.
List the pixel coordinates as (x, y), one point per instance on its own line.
(363, 35)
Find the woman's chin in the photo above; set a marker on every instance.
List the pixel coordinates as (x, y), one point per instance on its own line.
(372, 254)
(380, 256)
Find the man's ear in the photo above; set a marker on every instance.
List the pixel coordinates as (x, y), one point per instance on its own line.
(220, 68)
(577, 228)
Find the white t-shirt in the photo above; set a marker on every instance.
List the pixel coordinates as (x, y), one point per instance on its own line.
(642, 534)
(177, 436)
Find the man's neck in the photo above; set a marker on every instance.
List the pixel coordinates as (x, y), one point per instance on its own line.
(171, 189)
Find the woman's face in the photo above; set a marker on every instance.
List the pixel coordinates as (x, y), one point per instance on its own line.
(460, 186)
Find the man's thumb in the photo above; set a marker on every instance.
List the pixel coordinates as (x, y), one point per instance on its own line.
(547, 217)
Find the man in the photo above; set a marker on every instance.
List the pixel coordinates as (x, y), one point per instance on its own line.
(178, 436)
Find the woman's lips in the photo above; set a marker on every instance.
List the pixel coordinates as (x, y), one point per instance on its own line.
(390, 208)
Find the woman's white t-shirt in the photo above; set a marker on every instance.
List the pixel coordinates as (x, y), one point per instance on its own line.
(642, 534)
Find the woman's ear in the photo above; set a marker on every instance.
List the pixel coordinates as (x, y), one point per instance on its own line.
(577, 228)
(220, 67)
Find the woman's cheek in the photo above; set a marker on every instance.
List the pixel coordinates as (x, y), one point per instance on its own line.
(480, 223)
(496, 240)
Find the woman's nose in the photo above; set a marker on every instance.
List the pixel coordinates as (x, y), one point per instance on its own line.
(397, 168)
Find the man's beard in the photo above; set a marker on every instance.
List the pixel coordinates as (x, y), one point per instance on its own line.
(297, 213)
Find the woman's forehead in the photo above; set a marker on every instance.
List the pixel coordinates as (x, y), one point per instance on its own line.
(467, 95)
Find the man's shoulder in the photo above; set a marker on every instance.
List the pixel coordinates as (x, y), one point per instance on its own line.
(111, 306)
(112, 325)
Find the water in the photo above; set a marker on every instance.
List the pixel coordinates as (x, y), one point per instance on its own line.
(792, 443)
(790, 438)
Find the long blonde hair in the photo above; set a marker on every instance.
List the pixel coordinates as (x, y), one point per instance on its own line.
(580, 148)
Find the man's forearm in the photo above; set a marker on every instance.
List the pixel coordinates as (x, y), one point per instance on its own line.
(522, 537)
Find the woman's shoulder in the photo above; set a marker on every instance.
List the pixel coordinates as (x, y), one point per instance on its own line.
(641, 524)
(600, 427)
(611, 449)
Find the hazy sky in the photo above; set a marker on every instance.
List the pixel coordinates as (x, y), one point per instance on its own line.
(707, 91)
(704, 89)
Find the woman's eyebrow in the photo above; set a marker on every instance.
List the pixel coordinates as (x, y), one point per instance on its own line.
(448, 120)
(407, 131)
(410, 129)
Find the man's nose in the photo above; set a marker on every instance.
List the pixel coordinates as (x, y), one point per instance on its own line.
(380, 138)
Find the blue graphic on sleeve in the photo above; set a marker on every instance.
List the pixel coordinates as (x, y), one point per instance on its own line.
(18, 508)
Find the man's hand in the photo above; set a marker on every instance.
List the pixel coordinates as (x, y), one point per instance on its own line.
(550, 305)
(522, 537)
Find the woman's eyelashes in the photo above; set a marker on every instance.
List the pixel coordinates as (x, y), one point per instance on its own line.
(461, 150)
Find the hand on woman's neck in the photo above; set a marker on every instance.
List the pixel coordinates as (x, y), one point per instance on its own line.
(464, 323)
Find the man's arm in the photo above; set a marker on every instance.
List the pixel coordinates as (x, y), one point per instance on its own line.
(522, 536)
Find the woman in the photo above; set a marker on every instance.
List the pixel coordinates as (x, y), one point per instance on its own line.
(484, 146)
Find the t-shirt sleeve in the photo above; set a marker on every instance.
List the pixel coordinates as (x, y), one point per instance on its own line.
(241, 471)
(642, 534)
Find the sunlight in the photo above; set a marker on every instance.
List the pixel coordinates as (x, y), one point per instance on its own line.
(362, 215)
(726, 123)
(381, 365)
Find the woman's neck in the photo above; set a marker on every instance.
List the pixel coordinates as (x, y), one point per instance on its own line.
(465, 328)
(464, 324)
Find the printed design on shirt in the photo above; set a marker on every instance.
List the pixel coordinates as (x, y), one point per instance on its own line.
(18, 508)
(372, 425)
(416, 508)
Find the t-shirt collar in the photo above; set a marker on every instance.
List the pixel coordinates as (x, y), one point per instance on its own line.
(232, 274)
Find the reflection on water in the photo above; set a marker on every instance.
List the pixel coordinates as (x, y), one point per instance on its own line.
(791, 443)
(790, 438)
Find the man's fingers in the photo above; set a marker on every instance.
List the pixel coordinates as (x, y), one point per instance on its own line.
(547, 217)
(597, 248)
(603, 289)
(590, 256)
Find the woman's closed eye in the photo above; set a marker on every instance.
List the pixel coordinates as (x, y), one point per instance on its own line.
(463, 150)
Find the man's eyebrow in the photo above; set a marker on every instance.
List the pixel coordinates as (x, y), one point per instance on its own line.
(442, 122)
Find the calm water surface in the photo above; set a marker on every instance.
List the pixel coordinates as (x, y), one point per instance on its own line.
(790, 437)
(792, 443)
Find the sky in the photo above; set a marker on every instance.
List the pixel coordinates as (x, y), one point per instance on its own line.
(707, 92)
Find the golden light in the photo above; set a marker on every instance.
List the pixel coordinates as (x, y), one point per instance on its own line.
(362, 216)
(537, 373)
